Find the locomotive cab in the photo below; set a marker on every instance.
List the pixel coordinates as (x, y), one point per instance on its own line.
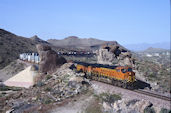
(129, 75)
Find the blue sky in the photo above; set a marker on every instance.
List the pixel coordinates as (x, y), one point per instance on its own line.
(126, 21)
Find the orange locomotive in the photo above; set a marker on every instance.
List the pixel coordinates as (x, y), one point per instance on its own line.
(122, 76)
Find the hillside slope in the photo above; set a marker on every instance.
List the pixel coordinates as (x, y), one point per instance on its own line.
(12, 45)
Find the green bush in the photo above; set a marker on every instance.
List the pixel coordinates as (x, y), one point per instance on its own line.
(164, 110)
(40, 84)
(4, 88)
(48, 101)
(94, 107)
(48, 77)
(111, 98)
(48, 89)
(149, 110)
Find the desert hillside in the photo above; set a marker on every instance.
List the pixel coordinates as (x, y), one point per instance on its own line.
(12, 45)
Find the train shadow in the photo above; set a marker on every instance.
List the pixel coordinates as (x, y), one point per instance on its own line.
(142, 85)
(72, 67)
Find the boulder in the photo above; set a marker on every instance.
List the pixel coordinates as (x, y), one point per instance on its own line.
(49, 60)
(106, 106)
(42, 47)
(114, 55)
(105, 57)
(77, 79)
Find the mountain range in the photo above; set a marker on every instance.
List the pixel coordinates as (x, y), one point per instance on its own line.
(79, 43)
(144, 46)
(12, 45)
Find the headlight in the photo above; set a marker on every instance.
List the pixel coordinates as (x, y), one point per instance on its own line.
(129, 73)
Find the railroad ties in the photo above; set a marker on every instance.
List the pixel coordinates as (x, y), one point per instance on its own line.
(153, 95)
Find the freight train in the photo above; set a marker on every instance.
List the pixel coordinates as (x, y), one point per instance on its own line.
(121, 76)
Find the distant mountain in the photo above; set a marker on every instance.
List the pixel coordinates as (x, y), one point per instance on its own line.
(81, 43)
(12, 45)
(144, 46)
(75, 41)
(154, 50)
(36, 39)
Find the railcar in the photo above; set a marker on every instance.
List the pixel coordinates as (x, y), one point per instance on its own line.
(121, 76)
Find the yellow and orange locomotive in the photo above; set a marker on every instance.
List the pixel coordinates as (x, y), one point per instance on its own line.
(122, 76)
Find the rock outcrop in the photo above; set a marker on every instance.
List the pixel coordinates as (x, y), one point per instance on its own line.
(50, 90)
(130, 106)
(114, 54)
(49, 60)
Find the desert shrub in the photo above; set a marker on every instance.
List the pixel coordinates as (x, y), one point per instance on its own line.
(48, 77)
(4, 88)
(94, 107)
(47, 101)
(149, 110)
(48, 89)
(132, 102)
(164, 110)
(110, 98)
(40, 84)
(15, 88)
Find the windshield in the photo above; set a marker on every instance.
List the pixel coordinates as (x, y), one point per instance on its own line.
(129, 69)
(123, 70)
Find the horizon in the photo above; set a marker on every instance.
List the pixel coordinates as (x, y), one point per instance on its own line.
(122, 21)
(87, 38)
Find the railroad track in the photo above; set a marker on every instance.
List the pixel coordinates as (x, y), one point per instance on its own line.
(153, 95)
(108, 81)
(143, 92)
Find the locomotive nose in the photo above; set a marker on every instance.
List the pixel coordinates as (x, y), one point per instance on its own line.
(130, 73)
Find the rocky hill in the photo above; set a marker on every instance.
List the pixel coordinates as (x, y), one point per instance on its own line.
(144, 46)
(162, 56)
(12, 45)
(154, 65)
(154, 50)
(36, 39)
(114, 55)
(81, 43)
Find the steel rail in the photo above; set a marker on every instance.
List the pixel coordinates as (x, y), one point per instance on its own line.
(163, 97)
(166, 98)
